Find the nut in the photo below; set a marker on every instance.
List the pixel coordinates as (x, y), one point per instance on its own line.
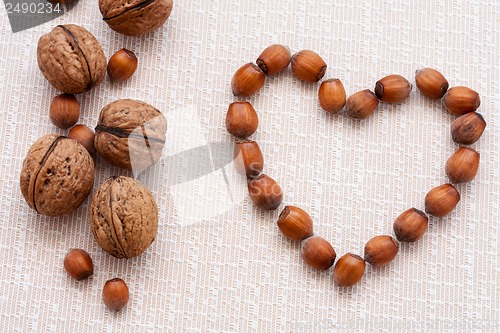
(381, 250)
(431, 83)
(441, 200)
(274, 59)
(393, 89)
(57, 175)
(348, 270)
(410, 226)
(241, 119)
(130, 134)
(331, 95)
(247, 80)
(115, 294)
(468, 128)
(84, 135)
(78, 264)
(461, 100)
(308, 66)
(265, 192)
(248, 158)
(64, 111)
(362, 104)
(317, 252)
(295, 223)
(135, 17)
(122, 65)
(71, 59)
(462, 166)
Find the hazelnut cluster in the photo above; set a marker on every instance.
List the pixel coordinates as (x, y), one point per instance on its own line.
(294, 222)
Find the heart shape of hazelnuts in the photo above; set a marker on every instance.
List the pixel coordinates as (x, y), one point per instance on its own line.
(294, 222)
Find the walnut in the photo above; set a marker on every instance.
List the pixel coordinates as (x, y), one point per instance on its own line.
(71, 59)
(135, 17)
(57, 175)
(130, 134)
(123, 217)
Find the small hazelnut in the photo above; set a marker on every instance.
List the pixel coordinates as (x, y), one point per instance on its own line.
(64, 111)
(248, 158)
(393, 89)
(241, 119)
(410, 226)
(461, 100)
(78, 264)
(122, 65)
(441, 200)
(295, 223)
(274, 59)
(265, 192)
(431, 83)
(381, 250)
(468, 128)
(362, 104)
(308, 66)
(331, 95)
(317, 252)
(247, 80)
(115, 294)
(84, 135)
(348, 270)
(462, 166)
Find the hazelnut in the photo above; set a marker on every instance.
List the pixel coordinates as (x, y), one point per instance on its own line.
(247, 80)
(78, 264)
(136, 17)
(441, 200)
(393, 89)
(248, 158)
(265, 192)
(84, 135)
(381, 250)
(362, 104)
(122, 65)
(308, 66)
(64, 111)
(57, 175)
(431, 83)
(468, 128)
(461, 100)
(241, 119)
(317, 252)
(71, 59)
(115, 294)
(410, 226)
(331, 95)
(295, 223)
(348, 270)
(274, 59)
(123, 217)
(462, 166)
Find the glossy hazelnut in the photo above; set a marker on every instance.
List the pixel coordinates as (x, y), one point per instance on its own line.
(122, 65)
(317, 252)
(274, 59)
(248, 158)
(295, 223)
(431, 83)
(393, 89)
(308, 66)
(84, 135)
(247, 80)
(381, 250)
(78, 264)
(468, 128)
(362, 104)
(241, 119)
(348, 270)
(410, 226)
(331, 95)
(64, 111)
(461, 100)
(462, 166)
(115, 294)
(441, 200)
(265, 192)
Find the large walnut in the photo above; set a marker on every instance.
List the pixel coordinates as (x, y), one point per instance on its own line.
(57, 175)
(130, 134)
(135, 17)
(71, 59)
(123, 217)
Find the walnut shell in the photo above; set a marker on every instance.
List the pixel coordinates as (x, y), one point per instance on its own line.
(57, 175)
(130, 134)
(71, 59)
(135, 17)
(123, 217)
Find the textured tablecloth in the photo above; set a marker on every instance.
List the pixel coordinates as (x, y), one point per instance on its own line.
(220, 265)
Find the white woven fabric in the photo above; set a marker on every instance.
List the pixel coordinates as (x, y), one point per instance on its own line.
(229, 269)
